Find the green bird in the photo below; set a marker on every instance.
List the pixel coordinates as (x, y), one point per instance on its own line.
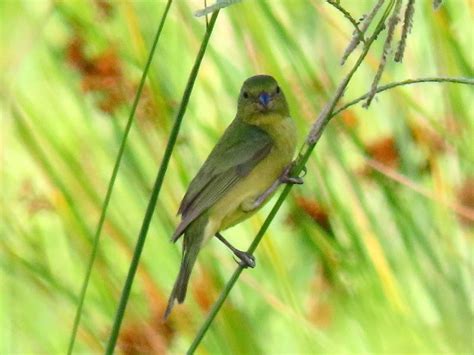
(252, 158)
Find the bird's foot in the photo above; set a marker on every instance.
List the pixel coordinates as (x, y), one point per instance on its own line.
(294, 180)
(286, 178)
(246, 260)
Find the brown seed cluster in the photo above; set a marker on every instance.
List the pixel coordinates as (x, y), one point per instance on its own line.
(101, 75)
(385, 151)
(314, 210)
(204, 291)
(425, 136)
(146, 337)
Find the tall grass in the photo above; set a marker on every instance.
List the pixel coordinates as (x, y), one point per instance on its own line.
(100, 224)
(372, 254)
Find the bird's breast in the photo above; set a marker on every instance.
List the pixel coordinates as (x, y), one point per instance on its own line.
(227, 212)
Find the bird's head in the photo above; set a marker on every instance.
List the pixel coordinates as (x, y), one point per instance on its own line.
(261, 96)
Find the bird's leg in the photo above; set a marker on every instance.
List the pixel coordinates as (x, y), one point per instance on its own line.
(284, 178)
(245, 259)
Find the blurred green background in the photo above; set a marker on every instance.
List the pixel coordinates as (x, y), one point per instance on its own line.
(372, 254)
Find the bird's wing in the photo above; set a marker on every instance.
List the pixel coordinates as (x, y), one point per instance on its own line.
(238, 151)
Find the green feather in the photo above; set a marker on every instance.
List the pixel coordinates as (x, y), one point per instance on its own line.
(193, 238)
(238, 151)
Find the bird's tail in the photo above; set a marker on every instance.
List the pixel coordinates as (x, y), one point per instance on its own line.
(192, 241)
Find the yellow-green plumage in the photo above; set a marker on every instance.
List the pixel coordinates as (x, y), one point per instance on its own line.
(227, 211)
(250, 156)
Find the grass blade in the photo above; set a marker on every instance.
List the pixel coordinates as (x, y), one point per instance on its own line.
(108, 194)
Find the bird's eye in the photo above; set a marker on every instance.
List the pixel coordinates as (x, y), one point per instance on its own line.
(277, 90)
(245, 95)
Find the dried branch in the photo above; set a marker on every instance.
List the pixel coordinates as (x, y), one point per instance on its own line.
(407, 26)
(467, 81)
(367, 20)
(392, 23)
(219, 5)
(348, 16)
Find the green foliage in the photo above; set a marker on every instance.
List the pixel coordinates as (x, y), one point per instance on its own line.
(372, 254)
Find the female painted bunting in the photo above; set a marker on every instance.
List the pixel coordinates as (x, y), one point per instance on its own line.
(250, 161)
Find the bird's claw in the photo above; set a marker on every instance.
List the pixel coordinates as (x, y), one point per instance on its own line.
(246, 260)
(294, 180)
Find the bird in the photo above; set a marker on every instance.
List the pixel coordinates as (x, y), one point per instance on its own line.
(250, 161)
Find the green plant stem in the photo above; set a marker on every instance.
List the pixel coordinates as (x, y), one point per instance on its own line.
(95, 245)
(156, 190)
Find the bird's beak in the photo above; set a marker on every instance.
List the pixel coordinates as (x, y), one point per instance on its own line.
(264, 99)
